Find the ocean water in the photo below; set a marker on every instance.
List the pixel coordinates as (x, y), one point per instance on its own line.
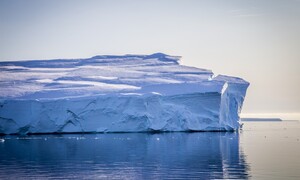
(261, 150)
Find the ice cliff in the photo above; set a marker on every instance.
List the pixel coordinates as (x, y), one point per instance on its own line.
(131, 93)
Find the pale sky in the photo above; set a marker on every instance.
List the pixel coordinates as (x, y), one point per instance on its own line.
(258, 40)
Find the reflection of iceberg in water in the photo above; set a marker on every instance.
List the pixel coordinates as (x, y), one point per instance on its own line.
(125, 155)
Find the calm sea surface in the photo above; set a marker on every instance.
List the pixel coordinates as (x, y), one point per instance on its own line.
(262, 150)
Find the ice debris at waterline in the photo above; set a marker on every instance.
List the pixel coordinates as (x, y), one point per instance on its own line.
(130, 93)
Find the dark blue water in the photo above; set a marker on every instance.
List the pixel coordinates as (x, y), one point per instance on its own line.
(142, 155)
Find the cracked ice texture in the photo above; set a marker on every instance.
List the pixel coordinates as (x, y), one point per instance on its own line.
(130, 93)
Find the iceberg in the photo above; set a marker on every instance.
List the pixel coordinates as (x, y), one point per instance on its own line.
(130, 93)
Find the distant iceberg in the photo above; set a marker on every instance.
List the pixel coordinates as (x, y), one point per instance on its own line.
(130, 93)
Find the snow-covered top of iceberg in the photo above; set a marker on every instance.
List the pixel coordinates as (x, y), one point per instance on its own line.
(101, 75)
